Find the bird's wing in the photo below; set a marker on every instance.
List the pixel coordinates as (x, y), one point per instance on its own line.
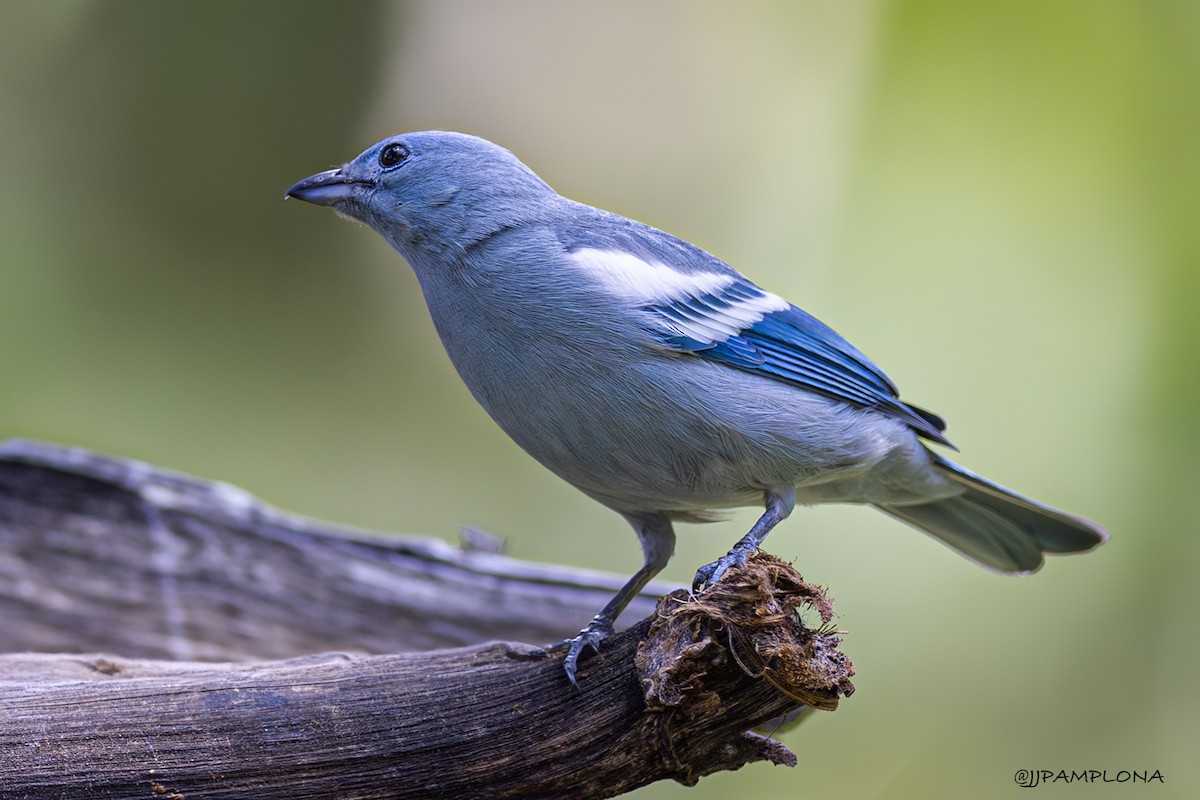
(712, 312)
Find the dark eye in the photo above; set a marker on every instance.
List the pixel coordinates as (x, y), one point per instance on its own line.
(392, 154)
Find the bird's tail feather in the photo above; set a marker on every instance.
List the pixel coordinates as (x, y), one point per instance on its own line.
(996, 526)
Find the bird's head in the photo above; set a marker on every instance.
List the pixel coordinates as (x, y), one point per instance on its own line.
(431, 191)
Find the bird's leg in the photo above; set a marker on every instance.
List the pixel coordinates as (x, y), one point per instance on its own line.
(779, 501)
(658, 542)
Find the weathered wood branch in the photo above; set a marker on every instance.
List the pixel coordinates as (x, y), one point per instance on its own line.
(106, 554)
(91, 547)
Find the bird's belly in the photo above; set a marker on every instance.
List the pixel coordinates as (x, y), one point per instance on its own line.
(681, 435)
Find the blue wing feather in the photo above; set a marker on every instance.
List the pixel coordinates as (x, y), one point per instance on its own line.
(786, 345)
(793, 347)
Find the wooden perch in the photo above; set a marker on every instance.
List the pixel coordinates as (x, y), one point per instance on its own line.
(101, 554)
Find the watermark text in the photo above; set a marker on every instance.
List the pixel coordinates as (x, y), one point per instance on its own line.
(1029, 778)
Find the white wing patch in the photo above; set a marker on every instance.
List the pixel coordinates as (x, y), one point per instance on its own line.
(706, 307)
(711, 324)
(640, 282)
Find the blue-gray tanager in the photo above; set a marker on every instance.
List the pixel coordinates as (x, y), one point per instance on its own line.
(653, 376)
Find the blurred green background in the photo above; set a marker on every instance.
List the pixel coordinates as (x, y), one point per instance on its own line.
(997, 201)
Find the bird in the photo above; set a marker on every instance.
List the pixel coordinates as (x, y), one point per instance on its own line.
(656, 378)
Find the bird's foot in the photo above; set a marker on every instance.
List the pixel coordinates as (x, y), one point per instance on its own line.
(596, 631)
(709, 574)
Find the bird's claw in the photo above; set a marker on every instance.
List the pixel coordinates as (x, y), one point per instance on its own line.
(590, 637)
(709, 574)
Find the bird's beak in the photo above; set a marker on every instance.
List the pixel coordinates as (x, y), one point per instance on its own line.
(328, 188)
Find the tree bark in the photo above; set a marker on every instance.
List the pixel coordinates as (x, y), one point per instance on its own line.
(102, 554)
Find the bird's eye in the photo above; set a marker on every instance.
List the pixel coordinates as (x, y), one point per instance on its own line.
(392, 154)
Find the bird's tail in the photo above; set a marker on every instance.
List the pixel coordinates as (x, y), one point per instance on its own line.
(997, 527)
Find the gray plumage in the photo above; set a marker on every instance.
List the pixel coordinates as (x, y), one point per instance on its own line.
(654, 377)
